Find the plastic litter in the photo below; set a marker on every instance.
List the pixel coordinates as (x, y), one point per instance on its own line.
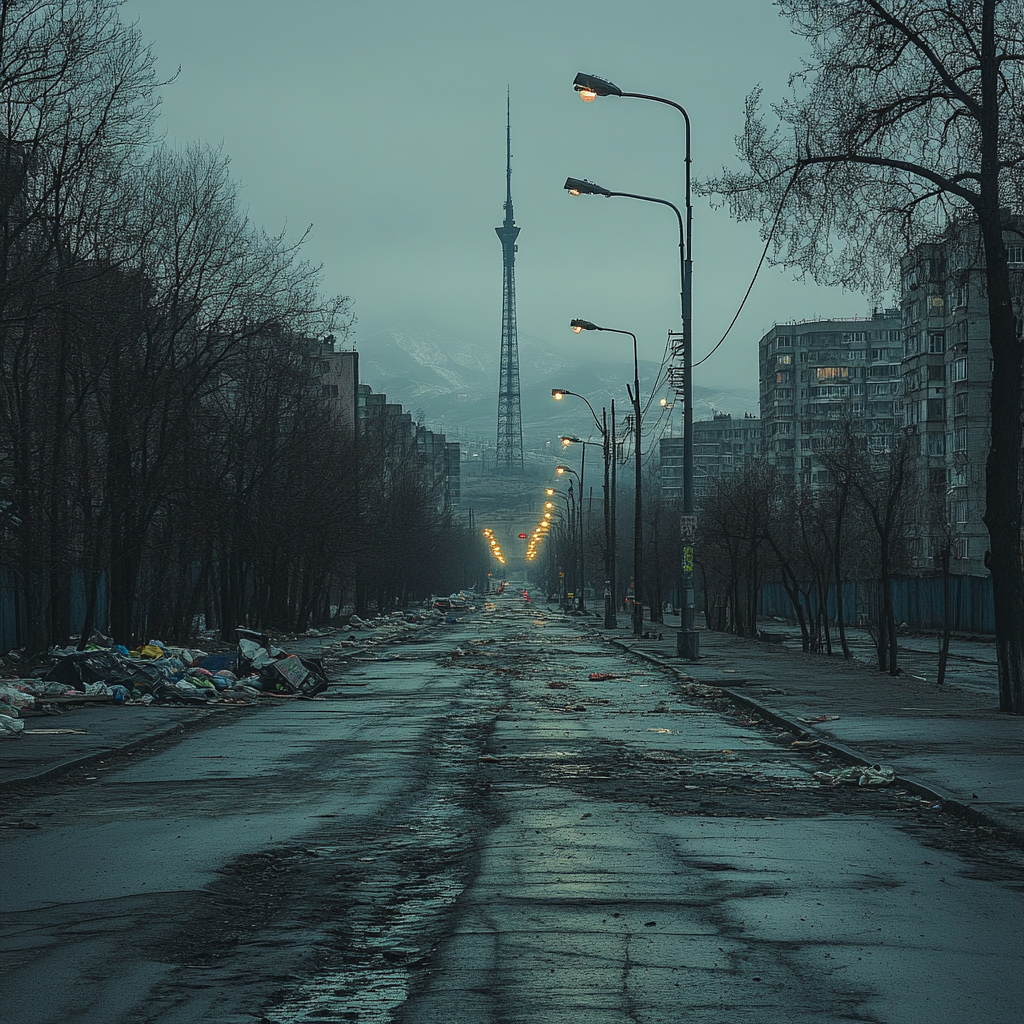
(859, 775)
(10, 726)
(279, 672)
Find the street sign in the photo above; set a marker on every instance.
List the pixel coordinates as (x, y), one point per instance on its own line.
(688, 529)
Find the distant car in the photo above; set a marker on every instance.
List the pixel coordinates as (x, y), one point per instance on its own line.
(446, 604)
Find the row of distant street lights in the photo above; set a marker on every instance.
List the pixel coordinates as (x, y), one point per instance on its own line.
(495, 546)
(590, 88)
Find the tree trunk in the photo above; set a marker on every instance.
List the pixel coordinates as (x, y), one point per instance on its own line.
(1003, 484)
(946, 615)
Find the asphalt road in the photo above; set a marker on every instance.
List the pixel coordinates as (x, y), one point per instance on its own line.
(471, 830)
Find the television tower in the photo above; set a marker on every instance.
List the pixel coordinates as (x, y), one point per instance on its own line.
(510, 420)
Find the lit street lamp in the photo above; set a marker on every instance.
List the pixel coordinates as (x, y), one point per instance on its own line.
(580, 602)
(638, 604)
(590, 87)
(568, 518)
(610, 620)
(609, 610)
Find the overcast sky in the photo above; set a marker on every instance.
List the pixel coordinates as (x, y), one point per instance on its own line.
(382, 124)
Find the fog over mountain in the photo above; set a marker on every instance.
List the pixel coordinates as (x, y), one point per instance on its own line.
(450, 382)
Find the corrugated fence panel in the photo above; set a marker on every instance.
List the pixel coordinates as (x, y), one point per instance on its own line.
(917, 601)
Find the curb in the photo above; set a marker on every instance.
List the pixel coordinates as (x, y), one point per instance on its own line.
(950, 803)
(87, 759)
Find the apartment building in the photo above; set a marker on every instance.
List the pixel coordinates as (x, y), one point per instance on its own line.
(816, 374)
(391, 431)
(947, 372)
(721, 446)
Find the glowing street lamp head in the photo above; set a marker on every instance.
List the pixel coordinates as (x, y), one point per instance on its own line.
(557, 394)
(583, 325)
(590, 87)
(583, 187)
(549, 491)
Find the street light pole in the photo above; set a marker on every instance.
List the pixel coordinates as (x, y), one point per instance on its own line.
(568, 528)
(580, 603)
(687, 643)
(638, 566)
(608, 445)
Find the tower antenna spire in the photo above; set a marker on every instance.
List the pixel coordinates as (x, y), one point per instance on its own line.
(508, 160)
(510, 421)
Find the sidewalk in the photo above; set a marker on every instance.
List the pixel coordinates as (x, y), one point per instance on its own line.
(53, 744)
(949, 744)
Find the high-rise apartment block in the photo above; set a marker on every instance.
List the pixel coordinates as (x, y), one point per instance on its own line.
(721, 446)
(816, 374)
(947, 370)
(392, 434)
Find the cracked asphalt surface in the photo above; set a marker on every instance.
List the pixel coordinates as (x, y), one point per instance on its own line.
(471, 829)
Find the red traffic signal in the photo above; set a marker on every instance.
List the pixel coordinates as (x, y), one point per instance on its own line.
(522, 536)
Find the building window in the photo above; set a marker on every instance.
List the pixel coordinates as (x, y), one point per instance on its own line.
(958, 510)
(936, 409)
(829, 372)
(1015, 254)
(959, 369)
(330, 390)
(937, 342)
(936, 444)
(960, 404)
(960, 439)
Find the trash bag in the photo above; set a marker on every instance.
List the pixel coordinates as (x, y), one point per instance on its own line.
(10, 726)
(77, 671)
(219, 662)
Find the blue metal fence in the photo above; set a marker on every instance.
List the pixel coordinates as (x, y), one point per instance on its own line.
(13, 611)
(917, 601)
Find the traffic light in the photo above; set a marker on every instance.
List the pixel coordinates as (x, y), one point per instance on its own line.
(522, 536)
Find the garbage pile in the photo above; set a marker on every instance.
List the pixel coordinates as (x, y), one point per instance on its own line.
(386, 628)
(157, 673)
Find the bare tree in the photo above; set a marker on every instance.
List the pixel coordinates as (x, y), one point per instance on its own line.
(906, 119)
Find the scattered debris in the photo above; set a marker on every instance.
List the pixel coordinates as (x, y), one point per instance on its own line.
(600, 677)
(820, 718)
(859, 775)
